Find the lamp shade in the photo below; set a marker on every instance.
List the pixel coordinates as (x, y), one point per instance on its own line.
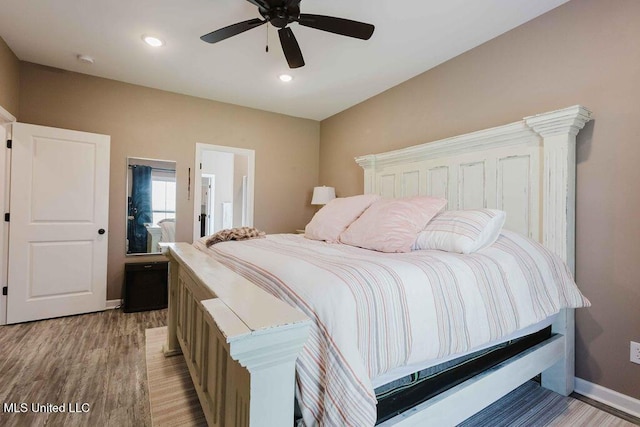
(323, 195)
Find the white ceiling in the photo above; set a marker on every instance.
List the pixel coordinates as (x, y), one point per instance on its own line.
(411, 37)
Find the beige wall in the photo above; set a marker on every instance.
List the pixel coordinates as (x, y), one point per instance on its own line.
(150, 123)
(585, 52)
(9, 79)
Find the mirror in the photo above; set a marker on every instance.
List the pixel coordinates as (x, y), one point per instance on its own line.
(151, 205)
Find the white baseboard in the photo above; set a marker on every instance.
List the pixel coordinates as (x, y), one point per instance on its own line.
(113, 303)
(607, 396)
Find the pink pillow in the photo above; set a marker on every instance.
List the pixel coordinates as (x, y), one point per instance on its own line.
(391, 225)
(336, 216)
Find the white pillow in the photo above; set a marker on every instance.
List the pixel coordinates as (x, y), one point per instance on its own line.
(336, 216)
(463, 232)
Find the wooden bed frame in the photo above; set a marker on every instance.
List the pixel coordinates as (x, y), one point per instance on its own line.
(241, 343)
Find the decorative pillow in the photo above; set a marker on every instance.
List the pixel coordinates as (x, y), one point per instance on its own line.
(463, 232)
(391, 225)
(336, 216)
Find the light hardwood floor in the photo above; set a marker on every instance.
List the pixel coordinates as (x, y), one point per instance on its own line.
(96, 358)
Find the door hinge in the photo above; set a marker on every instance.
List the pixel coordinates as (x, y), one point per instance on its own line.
(200, 166)
(7, 217)
(9, 143)
(5, 289)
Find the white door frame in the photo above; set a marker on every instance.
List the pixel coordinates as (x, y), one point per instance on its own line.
(197, 182)
(6, 119)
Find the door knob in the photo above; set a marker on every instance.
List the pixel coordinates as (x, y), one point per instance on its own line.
(101, 231)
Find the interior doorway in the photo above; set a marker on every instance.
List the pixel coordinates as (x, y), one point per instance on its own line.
(207, 210)
(229, 202)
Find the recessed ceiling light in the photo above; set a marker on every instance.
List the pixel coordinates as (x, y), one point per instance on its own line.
(285, 77)
(153, 41)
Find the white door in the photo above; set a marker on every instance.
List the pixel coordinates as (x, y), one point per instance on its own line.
(58, 226)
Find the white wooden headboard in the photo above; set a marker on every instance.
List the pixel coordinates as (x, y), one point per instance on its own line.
(526, 168)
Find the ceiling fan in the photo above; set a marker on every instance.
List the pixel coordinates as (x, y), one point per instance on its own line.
(281, 13)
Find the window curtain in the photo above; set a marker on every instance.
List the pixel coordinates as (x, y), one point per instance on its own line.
(139, 208)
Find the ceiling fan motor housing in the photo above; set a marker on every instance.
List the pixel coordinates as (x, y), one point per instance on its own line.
(281, 16)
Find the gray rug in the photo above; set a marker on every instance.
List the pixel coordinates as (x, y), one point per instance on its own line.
(531, 406)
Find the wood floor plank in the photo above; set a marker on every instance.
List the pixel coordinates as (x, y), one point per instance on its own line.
(96, 358)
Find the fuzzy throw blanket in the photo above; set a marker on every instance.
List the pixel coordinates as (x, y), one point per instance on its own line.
(239, 233)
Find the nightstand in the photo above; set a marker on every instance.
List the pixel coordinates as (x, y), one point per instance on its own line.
(145, 286)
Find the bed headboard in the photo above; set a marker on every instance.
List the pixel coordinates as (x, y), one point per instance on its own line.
(526, 168)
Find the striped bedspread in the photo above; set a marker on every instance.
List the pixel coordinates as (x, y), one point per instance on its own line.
(373, 312)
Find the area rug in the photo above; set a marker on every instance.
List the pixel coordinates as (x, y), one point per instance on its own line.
(172, 398)
(531, 406)
(174, 402)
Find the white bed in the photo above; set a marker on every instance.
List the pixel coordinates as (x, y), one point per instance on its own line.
(241, 343)
(373, 313)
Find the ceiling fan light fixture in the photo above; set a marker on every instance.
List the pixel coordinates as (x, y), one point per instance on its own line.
(285, 78)
(85, 59)
(152, 41)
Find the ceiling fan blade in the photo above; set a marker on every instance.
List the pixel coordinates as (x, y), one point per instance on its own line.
(260, 3)
(291, 48)
(345, 27)
(231, 30)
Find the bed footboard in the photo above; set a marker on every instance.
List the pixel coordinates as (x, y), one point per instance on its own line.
(239, 342)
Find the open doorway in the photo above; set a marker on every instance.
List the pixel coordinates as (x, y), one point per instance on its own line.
(207, 210)
(224, 180)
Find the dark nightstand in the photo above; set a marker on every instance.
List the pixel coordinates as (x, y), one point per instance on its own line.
(145, 286)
